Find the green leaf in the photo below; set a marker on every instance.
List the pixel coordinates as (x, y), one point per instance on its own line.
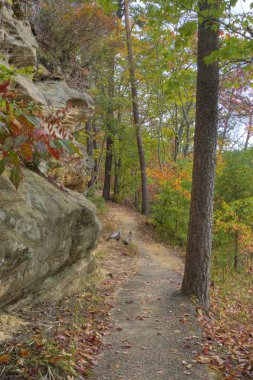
(3, 162)
(14, 157)
(16, 176)
(70, 147)
(188, 29)
(34, 120)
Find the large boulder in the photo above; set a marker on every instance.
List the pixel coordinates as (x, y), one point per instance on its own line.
(46, 239)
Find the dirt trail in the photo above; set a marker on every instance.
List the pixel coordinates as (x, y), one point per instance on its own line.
(154, 333)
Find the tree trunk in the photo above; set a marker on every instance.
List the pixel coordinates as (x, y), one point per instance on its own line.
(94, 148)
(136, 116)
(225, 130)
(186, 148)
(197, 267)
(109, 139)
(108, 168)
(118, 164)
(117, 178)
(249, 133)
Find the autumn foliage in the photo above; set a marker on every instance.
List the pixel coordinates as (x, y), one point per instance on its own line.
(27, 136)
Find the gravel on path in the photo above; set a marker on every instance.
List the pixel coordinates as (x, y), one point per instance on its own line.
(155, 334)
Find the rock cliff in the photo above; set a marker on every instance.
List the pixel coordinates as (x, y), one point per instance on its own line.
(46, 235)
(18, 48)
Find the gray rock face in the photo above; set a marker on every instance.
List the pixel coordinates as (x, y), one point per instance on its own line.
(53, 95)
(18, 48)
(46, 235)
(46, 238)
(17, 43)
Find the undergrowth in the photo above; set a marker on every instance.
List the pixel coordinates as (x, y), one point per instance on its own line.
(64, 348)
(98, 201)
(228, 327)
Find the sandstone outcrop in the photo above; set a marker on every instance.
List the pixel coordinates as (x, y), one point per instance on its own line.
(46, 235)
(46, 239)
(18, 48)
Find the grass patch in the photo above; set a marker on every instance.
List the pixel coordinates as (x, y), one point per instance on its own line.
(98, 201)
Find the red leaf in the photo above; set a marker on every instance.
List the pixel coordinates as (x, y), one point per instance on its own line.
(53, 152)
(4, 86)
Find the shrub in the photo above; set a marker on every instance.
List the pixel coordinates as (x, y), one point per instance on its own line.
(170, 213)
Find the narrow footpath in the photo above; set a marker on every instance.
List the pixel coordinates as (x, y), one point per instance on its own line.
(154, 334)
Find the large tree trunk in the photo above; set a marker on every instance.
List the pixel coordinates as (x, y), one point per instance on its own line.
(136, 115)
(197, 267)
(109, 140)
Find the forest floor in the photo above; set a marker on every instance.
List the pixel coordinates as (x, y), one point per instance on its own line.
(133, 324)
(154, 333)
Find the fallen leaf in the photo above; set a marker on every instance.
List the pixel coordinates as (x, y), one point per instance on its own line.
(203, 359)
(5, 359)
(173, 350)
(25, 353)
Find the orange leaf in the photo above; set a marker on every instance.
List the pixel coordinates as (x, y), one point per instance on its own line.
(203, 359)
(26, 123)
(5, 359)
(25, 353)
(26, 150)
(55, 359)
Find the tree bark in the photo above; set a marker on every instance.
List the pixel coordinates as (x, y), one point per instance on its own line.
(109, 139)
(116, 189)
(136, 115)
(186, 148)
(249, 133)
(199, 244)
(108, 168)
